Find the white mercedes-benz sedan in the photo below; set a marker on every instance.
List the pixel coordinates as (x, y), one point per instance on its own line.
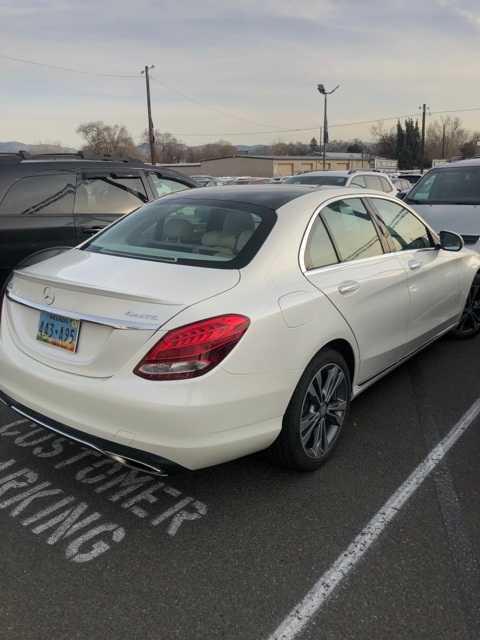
(220, 321)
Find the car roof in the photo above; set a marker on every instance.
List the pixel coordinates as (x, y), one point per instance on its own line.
(345, 173)
(273, 196)
(267, 195)
(471, 162)
(32, 165)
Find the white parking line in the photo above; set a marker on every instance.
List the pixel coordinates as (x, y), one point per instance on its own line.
(304, 611)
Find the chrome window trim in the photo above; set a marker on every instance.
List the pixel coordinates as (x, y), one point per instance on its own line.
(311, 222)
(362, 195)
(114, 323)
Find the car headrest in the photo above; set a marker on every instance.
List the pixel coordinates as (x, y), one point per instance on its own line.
(178, 230)
(237, 222)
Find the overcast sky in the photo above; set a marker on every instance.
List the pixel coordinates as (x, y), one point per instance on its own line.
(243, 66)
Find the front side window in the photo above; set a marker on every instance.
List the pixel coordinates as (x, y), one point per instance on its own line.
(405, 229)
(352, 229)
(189, 231)
(42, 194)
(453, 185)
(163, 186)
(336, 181)
(319, 251)
(109, 193)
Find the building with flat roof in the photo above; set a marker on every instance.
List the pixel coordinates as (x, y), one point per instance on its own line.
(272, 166)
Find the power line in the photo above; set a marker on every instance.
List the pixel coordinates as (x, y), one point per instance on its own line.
(299, 130)
(223, 111)
(208, 106)
(152, 79)
(338, 125)
(69, 69)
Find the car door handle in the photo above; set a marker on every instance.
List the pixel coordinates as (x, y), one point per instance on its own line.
(348, 287)
(414, 265)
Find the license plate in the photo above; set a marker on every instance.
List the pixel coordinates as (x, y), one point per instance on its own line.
(58, 331)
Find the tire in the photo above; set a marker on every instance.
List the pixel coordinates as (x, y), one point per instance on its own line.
(312, 423)
(469, 325)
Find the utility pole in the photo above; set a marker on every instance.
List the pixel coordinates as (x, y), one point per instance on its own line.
(151, 134)
(422, 156)
(321, 89)
(443, 141)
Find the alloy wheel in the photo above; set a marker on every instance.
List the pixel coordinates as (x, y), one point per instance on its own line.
(323, 410)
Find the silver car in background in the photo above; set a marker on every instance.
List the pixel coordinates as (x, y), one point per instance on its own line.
(347, 178)
(448, 197)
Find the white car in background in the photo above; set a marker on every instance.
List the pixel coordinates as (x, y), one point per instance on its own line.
(217, 322)
(353, 178)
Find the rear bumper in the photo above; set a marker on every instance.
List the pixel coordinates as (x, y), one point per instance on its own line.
(189, 424)
(122, 454)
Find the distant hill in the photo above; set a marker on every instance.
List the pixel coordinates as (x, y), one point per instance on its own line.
(14, 146)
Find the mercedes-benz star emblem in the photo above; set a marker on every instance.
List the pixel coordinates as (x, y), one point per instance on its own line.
(48, 296)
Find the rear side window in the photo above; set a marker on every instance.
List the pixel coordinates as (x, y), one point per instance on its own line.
(319, 251)
(352, 229)
(385, 184)
(109, 193)
(43, 194)
(163, 186)
(359, 181)
(405, 229)
(373, 182)
(205, 233)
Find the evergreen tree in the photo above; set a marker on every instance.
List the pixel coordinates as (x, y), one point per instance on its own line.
(400, 146)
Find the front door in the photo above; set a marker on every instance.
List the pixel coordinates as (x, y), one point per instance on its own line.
(367, 286)
(433, 274)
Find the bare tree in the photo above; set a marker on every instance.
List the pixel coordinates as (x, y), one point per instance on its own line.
(219, 149)
(103, 139)
(471, 148)
(385, 141)
(445, 138)
(168, 149)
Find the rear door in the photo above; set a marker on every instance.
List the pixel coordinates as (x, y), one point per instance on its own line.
(433, 274)
(36, 213)
(104, 196)
(366, 284)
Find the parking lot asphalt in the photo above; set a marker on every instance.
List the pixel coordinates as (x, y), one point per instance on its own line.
(90, 552)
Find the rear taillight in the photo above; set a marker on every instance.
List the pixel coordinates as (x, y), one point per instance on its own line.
(192, 350)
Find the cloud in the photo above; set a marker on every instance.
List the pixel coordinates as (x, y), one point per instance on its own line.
(244, 64)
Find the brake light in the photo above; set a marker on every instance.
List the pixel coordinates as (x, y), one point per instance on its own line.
(192, 350)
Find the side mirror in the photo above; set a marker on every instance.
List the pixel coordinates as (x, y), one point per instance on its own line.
(401, 195)
(450, 241)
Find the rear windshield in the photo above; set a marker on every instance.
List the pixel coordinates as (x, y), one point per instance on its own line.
(456, 185)
(208, 233)
(320, 180)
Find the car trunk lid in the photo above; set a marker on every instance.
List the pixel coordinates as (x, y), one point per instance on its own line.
(120, 303)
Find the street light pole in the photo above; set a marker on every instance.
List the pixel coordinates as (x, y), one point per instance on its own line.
(422, 148)
(325, 134)
(321, 89)
(151, 134)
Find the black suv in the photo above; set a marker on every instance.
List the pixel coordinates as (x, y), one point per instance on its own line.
(62, 199)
